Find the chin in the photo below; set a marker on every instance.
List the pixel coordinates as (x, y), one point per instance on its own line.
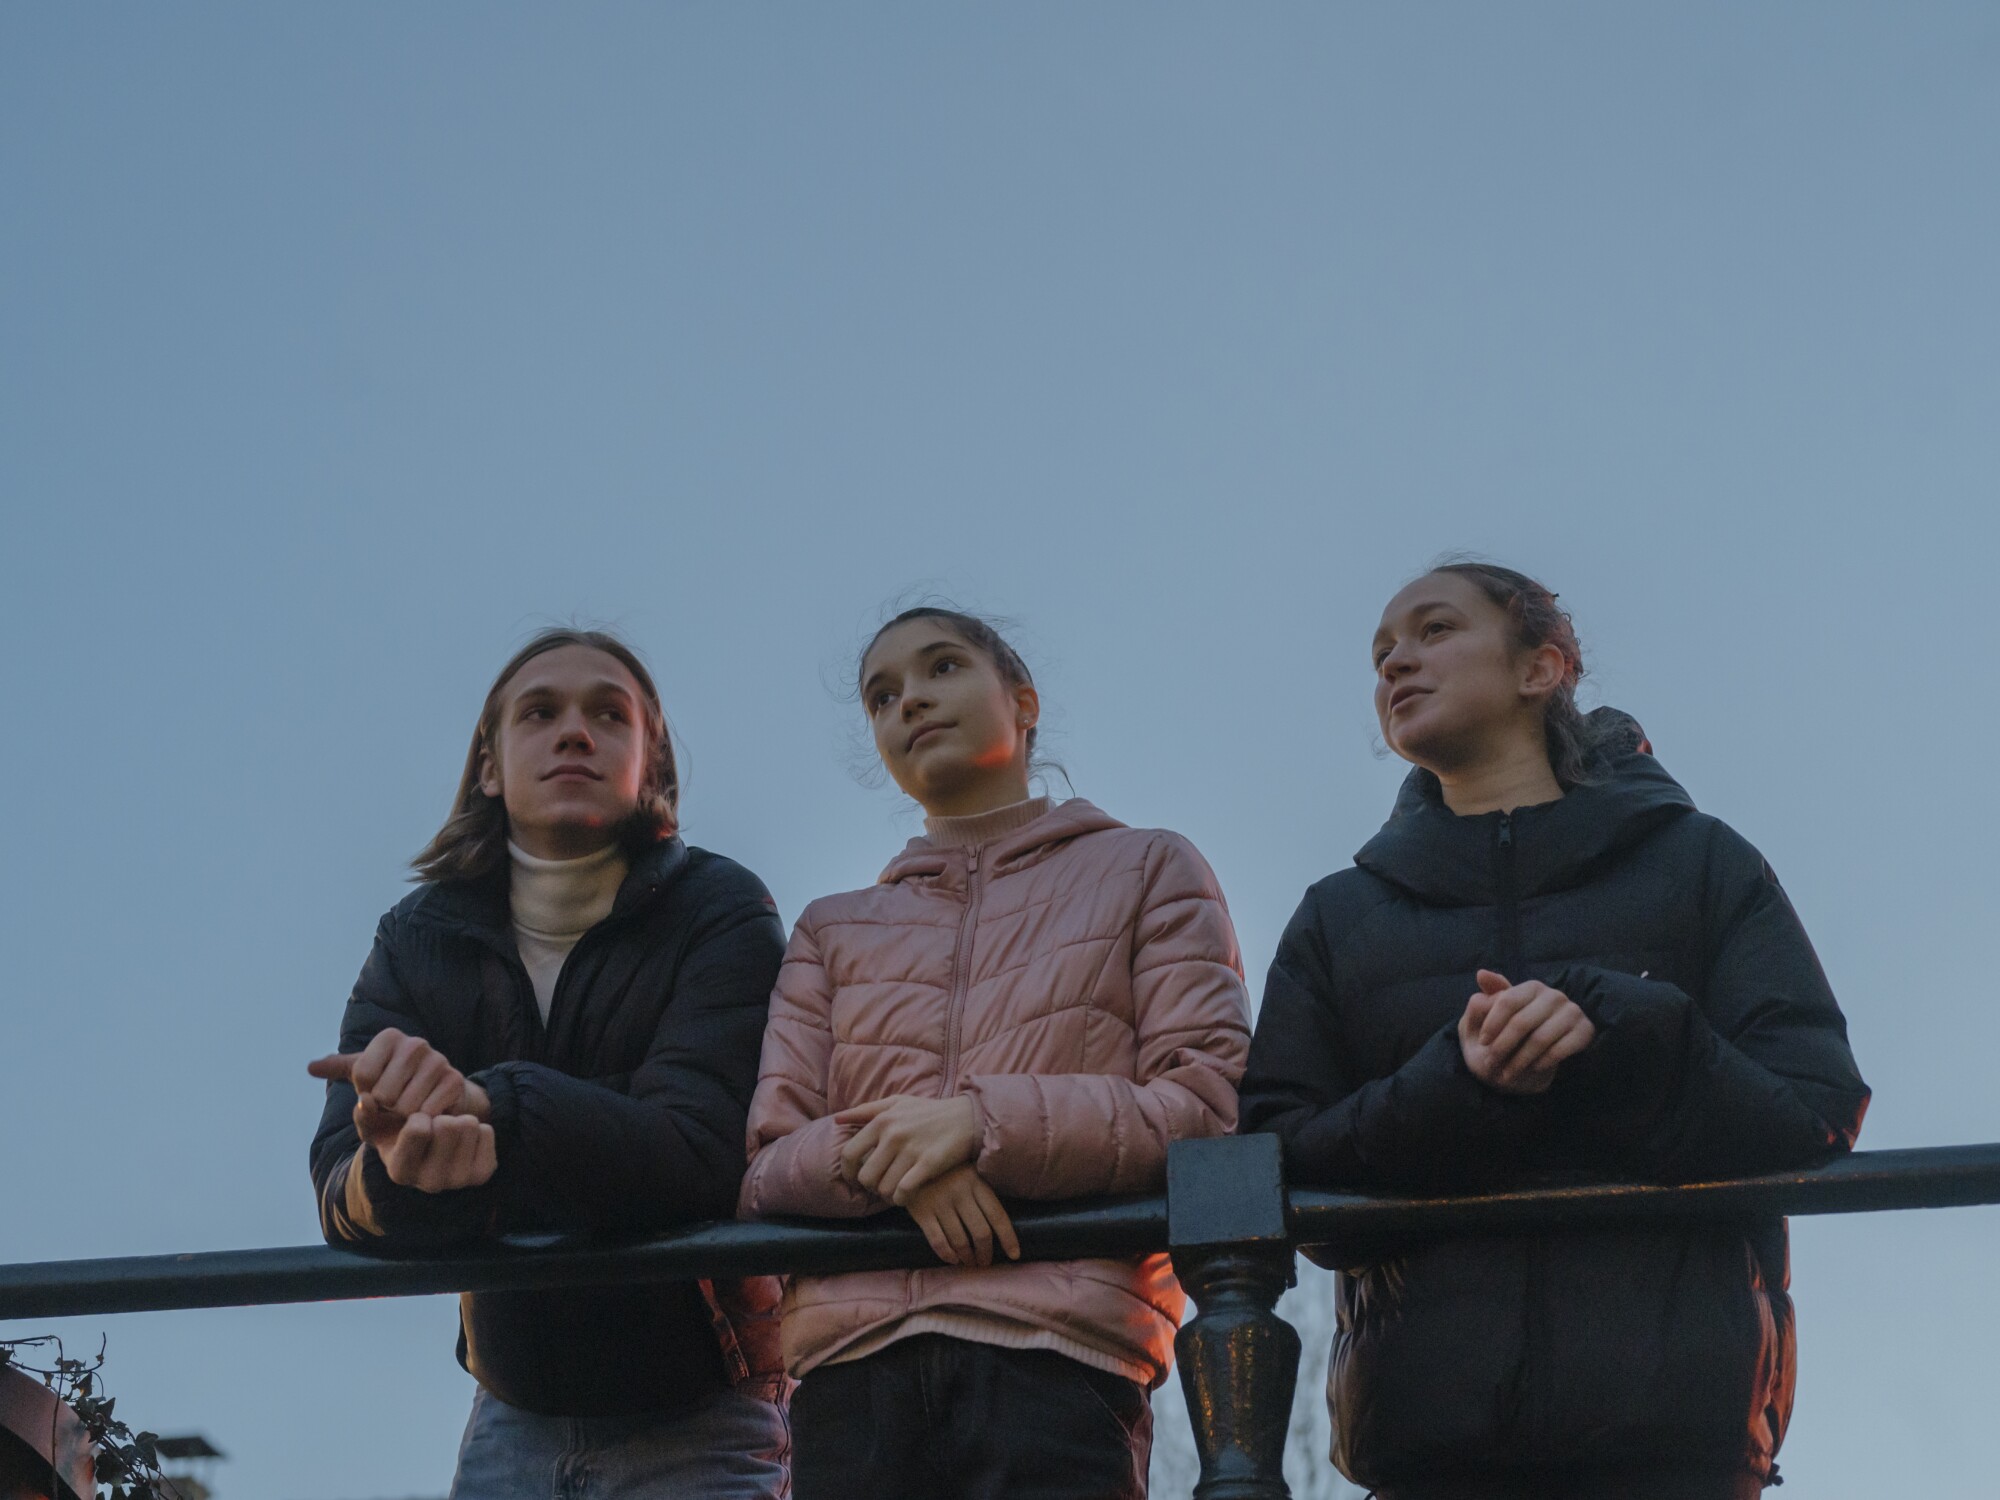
(1421, 747)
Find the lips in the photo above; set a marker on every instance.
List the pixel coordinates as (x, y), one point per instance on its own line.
(1404, 695)
(571, 773)
(923, 732)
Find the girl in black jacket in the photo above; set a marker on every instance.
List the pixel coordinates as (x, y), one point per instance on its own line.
(1547, 963)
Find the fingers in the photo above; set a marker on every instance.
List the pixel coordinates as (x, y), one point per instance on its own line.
(1473, 1018)
(1532, 1068)
(1567, 1035)
(883, 1173)
(1534, 1048)
(1504, 1038)
(375, 1125)
(404, 1155)
(978, 1232)
(861, 1146)
(447, 1094)
(1516, 1013)
(963, 1220)
(466, 1155)
(927, 1165)
(1500, 1009)
(861, 1114)
(996, 1216)
(925, 1217)
(367, 1065)
(485, 1157)
(1490, 983)
(414, 1071)
(404, 1074)
(438, 1154)
(942, 1227)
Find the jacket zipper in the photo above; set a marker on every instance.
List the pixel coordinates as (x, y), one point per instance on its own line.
(565, 973)
(1510, 911)
(961, 979)
(1529, 1402)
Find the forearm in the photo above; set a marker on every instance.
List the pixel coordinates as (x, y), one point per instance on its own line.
(360, 1205)
(799, 1174)
(1428, 1125)
(1677, 1099)
(578, 1156)
(1073, 1135)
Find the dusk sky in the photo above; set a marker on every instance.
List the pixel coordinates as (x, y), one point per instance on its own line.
(343, 346)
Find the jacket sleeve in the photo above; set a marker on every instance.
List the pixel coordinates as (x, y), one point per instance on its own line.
(666, 1147)
(358, 1204)
(1429, 1125)
(1756, 1076)
(794, 1144)
(1071, 1135)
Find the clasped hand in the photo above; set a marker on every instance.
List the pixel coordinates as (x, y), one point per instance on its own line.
(918, 1153)
(1515, 1036)
(424, 1118)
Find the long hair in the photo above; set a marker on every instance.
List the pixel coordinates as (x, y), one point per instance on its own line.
(473, 841)
(1539, 621)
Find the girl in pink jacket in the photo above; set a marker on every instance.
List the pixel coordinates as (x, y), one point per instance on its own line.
(1030, 1003)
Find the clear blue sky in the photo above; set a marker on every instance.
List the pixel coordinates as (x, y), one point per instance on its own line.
(341, 346)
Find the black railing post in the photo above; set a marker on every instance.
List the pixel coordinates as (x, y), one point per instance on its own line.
(1239, 1360)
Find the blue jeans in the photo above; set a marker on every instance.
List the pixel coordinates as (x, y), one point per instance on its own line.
(738, 1447)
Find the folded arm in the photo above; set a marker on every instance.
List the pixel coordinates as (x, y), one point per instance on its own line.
(1070, 1135)
(1756, 1076)
(663, 1145)
(794, 1142)
(358, 1201)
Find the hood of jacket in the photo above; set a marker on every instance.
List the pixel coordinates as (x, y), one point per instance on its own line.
(1448, 860)
(1011, 851)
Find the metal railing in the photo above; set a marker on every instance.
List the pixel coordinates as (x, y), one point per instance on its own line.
(1226, 1218)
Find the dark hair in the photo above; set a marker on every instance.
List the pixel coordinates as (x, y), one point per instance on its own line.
(981, 634)
(1539, 621)
(473, 841)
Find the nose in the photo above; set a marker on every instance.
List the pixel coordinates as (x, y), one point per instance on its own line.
(915, 702)
(1400, 662)
(573, 731)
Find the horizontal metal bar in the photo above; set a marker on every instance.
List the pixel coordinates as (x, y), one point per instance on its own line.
(320, 1273)
(1937, 1177)
(1866, 1182)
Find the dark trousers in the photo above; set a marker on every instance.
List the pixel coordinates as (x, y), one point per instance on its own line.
(1583, 1484)
(934, 1418)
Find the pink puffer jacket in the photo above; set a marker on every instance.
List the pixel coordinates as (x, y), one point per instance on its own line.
(1080, 980)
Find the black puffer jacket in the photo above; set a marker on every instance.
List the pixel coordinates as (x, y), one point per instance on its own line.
(1719, 1051)
(624, 1114)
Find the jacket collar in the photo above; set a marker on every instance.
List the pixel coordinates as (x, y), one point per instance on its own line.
(479, 907)
(1442, 858)
(1024, 845)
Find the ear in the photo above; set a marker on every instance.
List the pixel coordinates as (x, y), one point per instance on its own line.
(1542, 671)
(489, 772)
(1027, 706)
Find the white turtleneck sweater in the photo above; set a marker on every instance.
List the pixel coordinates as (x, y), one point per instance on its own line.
(554, 902)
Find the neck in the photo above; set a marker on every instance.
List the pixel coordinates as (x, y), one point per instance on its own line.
(561, 898)
(983, 796)
(1520, 778)
(560, 842)
(973, 830)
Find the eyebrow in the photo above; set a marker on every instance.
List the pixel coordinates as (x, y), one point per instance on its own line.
(932, 649)
(1415, 611)
(597, 689)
